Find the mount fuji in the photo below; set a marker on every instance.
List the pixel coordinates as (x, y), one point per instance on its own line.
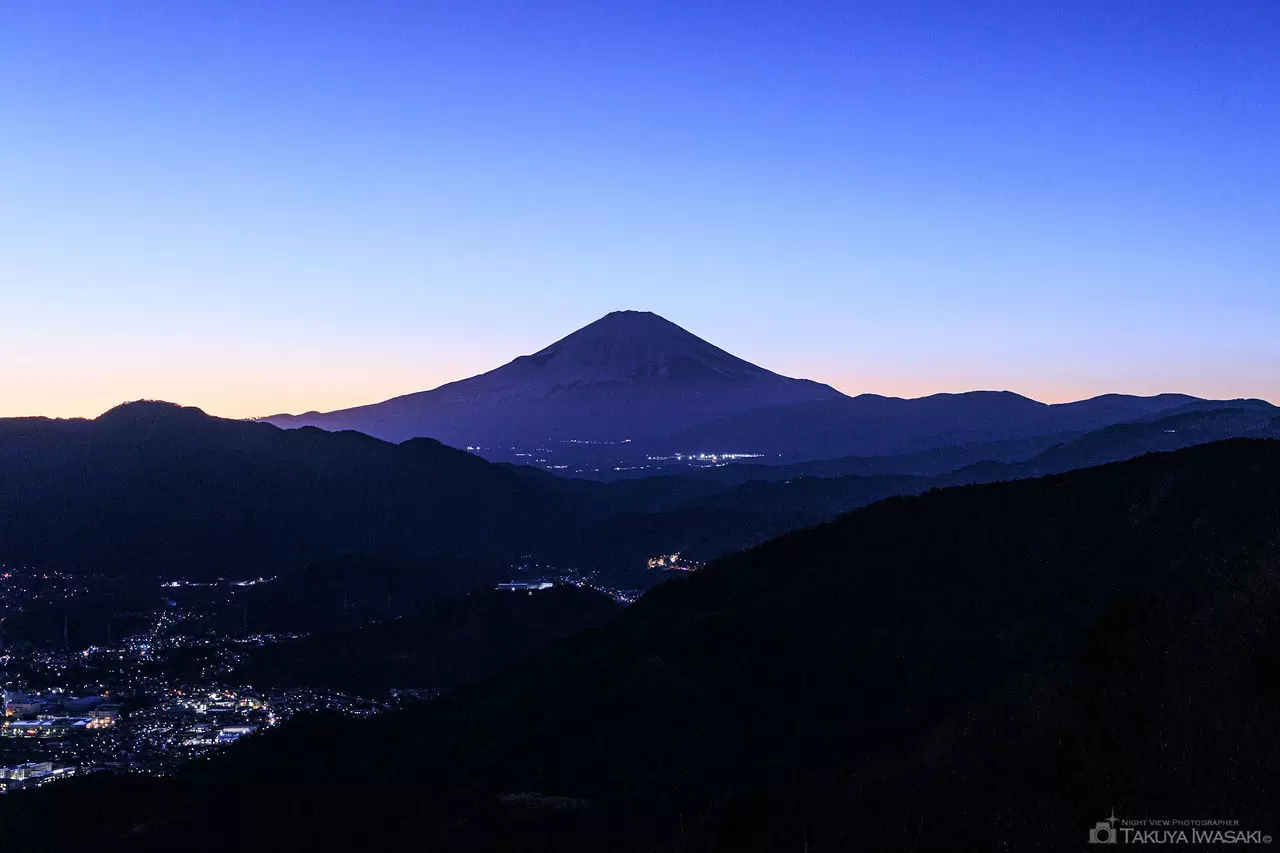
(630, 375)
(633, 387)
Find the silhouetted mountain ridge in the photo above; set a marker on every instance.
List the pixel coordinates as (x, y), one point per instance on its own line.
(162, 491)
(158, 489)
(630, 374)
(873, 425)
(633, 385)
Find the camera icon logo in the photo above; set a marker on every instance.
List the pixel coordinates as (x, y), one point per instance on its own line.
(1104, 832)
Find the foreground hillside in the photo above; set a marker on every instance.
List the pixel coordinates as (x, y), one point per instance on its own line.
(987, 667)
(455, 641)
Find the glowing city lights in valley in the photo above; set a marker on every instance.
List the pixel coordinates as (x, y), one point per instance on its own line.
(713, 458)
(674, 563)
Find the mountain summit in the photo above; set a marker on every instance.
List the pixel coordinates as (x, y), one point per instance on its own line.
(630, 374)
(627, 353)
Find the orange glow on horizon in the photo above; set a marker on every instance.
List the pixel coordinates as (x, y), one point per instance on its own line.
(250, 383)
(262, 395)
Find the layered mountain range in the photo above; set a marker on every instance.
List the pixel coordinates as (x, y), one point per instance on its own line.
(152, 491)
(632, 391)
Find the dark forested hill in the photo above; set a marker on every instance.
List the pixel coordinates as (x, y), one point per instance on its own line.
(154, 491)
(152, 488)
(986, 667)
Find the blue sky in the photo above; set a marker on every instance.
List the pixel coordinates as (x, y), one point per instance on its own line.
(260, 207)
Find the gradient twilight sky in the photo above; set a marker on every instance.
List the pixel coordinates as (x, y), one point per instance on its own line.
(257, 207)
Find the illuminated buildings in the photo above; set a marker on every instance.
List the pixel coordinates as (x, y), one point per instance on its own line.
(31, 774)
(673, 563)
(45, 727)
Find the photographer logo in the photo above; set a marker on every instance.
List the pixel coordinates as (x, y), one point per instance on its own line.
(1116, 830)
(1104, 831)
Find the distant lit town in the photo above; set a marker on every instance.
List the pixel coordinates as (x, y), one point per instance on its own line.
(124, 706)
(531, 577)
(574, 457)
(674, 563)
(169, 690)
